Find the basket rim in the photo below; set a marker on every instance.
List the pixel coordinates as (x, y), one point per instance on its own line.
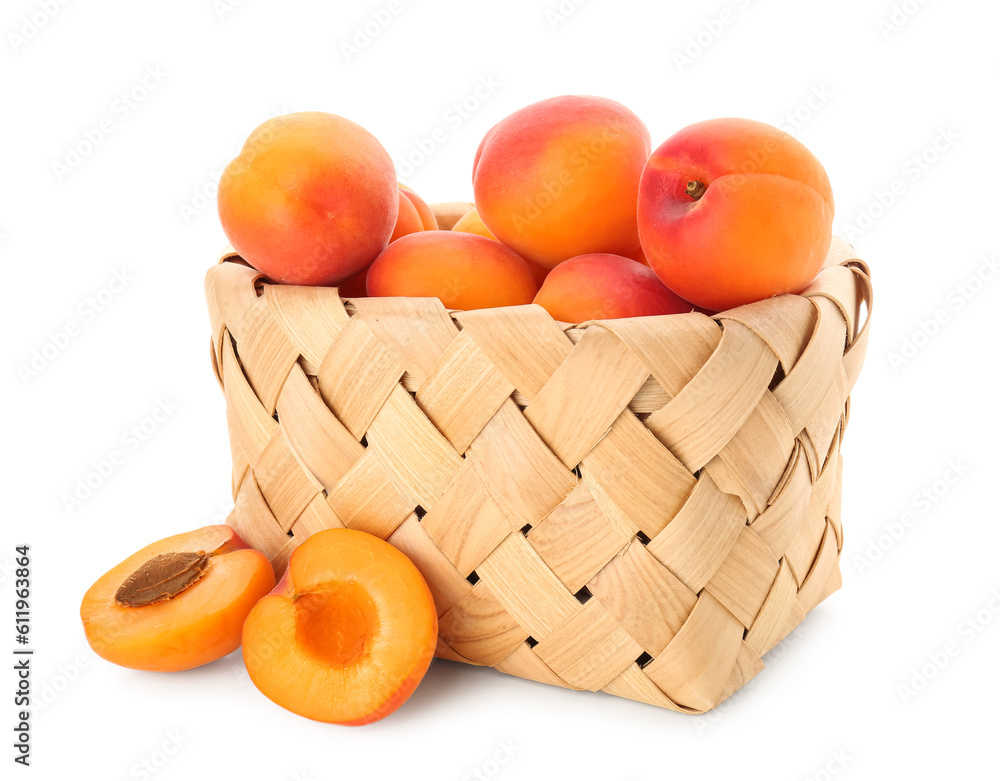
(841, 253)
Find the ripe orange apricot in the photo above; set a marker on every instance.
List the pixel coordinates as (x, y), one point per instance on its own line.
(733, 211)
(408, 219)
(311, 199)
(463, 270)
(347, 634)
(605, 287)
(473, 223)
(559, 178)
(427, 218)
(178, 603)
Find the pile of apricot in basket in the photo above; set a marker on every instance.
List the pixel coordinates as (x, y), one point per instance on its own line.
(572, 212)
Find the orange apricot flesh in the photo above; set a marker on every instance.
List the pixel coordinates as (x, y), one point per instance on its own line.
(347, 634)
(199, 624)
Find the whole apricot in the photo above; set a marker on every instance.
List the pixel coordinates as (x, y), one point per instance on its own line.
(733, 211)
(605, 287)
(463, 270)
(311, 199)
(559, 178)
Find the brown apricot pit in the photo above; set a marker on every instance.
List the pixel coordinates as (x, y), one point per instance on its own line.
(161, 578)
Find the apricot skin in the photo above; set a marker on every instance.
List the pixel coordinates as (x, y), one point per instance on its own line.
(427, 219)
(464, 270)
(605, 287)
(311, 199)
(473, 223)
(195, 627)
(311, 651)
(761, 227)
(408, 220)
(559, 178)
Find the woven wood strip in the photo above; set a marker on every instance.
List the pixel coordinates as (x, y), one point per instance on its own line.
(643, 507)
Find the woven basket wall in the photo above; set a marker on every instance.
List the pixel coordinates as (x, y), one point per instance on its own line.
(643, 507)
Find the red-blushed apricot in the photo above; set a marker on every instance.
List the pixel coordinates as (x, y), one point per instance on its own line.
(733, 211)
(473, 223)
(605, 287)
(427, 218)
(559, 178)
(347, 634)
(463, 270)
(311, 199)
(178, 603)
(450, 212)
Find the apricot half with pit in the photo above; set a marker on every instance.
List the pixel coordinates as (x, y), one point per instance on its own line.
(178, 603)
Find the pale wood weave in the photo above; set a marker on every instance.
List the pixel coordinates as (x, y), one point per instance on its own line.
(643, 506)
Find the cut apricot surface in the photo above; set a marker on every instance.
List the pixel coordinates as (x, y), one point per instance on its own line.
(347, 634)
(178, 603)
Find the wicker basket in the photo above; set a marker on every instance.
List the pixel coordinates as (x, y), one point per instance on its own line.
(643, 507)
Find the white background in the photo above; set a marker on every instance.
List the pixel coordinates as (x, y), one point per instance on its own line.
(886, 84)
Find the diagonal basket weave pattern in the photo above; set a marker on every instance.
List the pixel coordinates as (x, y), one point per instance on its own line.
(643, 507)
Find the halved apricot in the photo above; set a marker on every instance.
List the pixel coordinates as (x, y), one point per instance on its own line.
(347, 634)
(178, 603)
